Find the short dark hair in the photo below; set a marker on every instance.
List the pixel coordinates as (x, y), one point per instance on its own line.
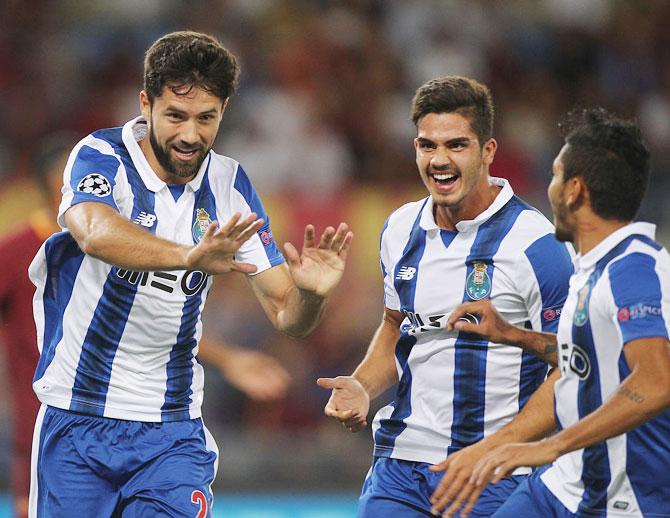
(610, 155)
(184, 60)
(462, 95)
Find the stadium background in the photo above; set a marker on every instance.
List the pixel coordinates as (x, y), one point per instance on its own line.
(321, 124)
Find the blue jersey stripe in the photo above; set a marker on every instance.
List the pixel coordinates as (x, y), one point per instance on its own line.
(552, 277)
(596, 473)
(180, 366)
(94, 369)
(62, 250)
(392, 427)
(471, 350)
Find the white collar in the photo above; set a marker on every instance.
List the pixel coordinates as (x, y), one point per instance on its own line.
(427, 221)
(135, 130)
(588, 260)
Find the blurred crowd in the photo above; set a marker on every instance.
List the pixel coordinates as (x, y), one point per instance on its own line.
(321, 125)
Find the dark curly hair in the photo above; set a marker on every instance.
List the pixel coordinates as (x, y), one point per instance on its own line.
(611, 156)
(456, 94)
(184, 60)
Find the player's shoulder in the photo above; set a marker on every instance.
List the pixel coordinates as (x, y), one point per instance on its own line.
(100, 146)
(640, 255)
(405, 216)
(224, 167)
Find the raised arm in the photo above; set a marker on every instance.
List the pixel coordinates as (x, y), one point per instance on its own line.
(349, 402)
(293, 295)
(100, 231)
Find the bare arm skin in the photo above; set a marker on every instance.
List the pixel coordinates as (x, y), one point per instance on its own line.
(535, 421)
(495, 328)
(349, 402)
(103, 233)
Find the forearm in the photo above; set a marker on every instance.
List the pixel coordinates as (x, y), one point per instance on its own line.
(377, 372)
(300, 314)
(542, 345)
(108, 236)
(638, 399)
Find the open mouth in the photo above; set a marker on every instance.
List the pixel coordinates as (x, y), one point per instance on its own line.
(445, 178)
(185, 154)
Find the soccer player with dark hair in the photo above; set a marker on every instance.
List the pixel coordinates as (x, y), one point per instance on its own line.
(471, 238)
(120, 293)
(611, 455)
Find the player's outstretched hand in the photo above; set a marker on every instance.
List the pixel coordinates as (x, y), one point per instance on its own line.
(455, 488)
(501, 462)
(482, 318)
(260, 376)
(215, 251)
(349, 402)
(319, 268)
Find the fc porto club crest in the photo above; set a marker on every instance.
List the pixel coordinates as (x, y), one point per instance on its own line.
(582, 309)
(478, 283)
(202, 223)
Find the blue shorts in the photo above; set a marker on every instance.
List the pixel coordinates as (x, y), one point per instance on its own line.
(532, 498)
(402, 489)
(95, 466)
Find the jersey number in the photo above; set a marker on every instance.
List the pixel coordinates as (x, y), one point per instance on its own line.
(199, 498)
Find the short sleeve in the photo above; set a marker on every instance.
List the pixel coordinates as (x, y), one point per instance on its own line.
(265, 247)
(551, 265)
(638, 297)
(90, 175)
(391, 297)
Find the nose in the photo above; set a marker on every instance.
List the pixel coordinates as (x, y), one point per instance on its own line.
(189, 133)
(441, 158)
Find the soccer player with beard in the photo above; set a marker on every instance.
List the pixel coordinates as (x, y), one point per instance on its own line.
(121, 290)
(611, 405)
(471, 238)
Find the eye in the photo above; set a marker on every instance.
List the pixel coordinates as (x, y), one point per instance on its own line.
(173, 116)
(424, 144)
(207, 117)
(457, 145)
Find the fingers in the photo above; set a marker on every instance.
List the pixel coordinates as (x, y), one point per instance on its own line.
(240, 230)
(309, 237)
(327, 237)
(467, 308)
(292, 255)
(243, 267)
(332, 383)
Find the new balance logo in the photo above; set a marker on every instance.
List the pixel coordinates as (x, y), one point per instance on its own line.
(145, 219)
(406, 273)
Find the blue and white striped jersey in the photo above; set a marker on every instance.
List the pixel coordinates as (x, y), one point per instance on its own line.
(119, 343)
(456, 388)
(620, 292)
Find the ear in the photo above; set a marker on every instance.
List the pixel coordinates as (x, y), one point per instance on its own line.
(576, 192)
(145, 106)
(489, 151)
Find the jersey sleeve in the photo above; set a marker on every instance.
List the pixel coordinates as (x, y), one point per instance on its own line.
(261, 249)
(90, 175)
(551, 265)
(391, 297)
(639, 297)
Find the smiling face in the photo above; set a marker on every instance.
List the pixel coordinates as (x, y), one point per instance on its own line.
(182, 130)
(453, 165)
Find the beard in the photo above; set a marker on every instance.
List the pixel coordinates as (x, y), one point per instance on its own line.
(174, 166)
(563, 232)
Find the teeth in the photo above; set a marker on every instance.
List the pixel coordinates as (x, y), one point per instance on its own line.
(443, 177)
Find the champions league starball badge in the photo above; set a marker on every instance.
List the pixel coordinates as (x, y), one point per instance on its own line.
(202, 223)
(478, 283)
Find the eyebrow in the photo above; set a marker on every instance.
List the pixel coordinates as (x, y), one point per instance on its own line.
(456, 140)
(171, 108)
